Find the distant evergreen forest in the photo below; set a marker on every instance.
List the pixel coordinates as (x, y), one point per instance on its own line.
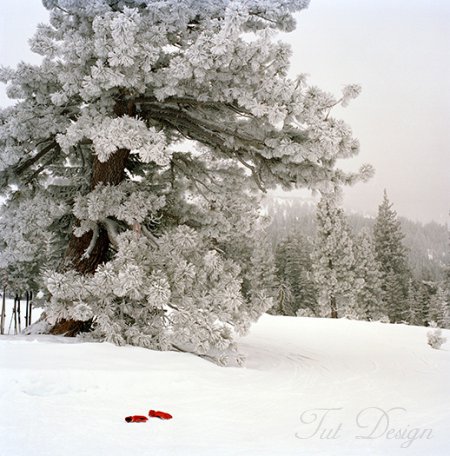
(427, 244)
(316, 260)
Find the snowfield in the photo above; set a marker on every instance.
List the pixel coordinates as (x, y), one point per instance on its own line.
(309, 387)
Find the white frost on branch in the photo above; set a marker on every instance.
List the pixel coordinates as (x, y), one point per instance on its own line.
(110, 134)
(124, 201)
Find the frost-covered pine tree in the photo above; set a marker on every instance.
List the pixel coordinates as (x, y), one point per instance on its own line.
(417, 302)
(294, 271)
(261, 275)
(439, 310)
(391, 256)
(333, 259)
(141, 142)
(368, 295)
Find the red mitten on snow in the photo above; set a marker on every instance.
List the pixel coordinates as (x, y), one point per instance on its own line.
(136, 419)
(160, 415)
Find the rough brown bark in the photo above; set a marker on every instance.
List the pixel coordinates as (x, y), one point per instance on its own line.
(70, 328)
(111, 172)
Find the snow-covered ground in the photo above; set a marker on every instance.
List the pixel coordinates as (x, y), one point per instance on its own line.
(304, 379)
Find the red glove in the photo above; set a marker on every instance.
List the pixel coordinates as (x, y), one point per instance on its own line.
(160, 415)
(136, 419)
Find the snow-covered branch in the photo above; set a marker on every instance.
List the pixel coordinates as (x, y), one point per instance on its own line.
(112, 229)
(90, 249)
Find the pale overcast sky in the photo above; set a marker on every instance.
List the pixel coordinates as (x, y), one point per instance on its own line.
(397, 50)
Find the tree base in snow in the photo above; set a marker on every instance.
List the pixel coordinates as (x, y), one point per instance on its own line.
(70, 328)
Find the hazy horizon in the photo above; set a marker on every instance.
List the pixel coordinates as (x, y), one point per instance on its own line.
(398, 51)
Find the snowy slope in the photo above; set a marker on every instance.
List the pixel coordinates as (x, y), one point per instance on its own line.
(62, 397)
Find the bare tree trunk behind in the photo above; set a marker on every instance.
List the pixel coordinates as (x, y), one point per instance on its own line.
(334, 313)
(3, 315)
(19, 319)
(26, 308)
(15, 314)
(30, 310)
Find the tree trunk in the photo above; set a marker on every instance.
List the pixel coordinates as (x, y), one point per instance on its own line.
(111, 172)
(334, 313)
(26, 308)
(15, 314)
(30, 307)
(3, 314)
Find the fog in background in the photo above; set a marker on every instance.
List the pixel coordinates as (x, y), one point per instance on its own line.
(397, 50)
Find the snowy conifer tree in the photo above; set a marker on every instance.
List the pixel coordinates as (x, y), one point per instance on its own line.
(391, 256)
(141, 227)
(333, 259)
(417, 303)
(439, 308)
(294, 271)
(261, 274)
(368, 296)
